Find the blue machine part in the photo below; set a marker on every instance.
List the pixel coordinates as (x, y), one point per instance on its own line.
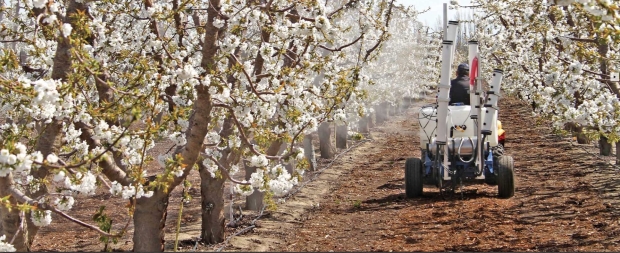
(427, 163)
(468, 171)
(489, 162)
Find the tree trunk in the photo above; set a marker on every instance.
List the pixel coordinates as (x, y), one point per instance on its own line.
(212, 194)
(60, 70)
(393, 109)
(362, 125)
(371, 121)
(255, 200)
(407, 102)
(309, 151)
(617, 154)
(149, 220)
(159, 117)
(605, 146)
(378, 114)
(325, 141)
(381, 113)
(341, 136)
(582, 138)
(577, 131)
(10, 225)
(290, 165)
(10, 220)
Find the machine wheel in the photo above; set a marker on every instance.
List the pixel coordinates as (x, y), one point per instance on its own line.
(498, 151)
(413, 178)
(505, 177)
(491, 179)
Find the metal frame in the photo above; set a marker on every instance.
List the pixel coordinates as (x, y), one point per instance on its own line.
(444, 162)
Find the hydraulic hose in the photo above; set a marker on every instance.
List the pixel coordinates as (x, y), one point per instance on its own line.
(458, 152)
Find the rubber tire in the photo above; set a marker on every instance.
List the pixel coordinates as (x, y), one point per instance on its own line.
(505, 177)
(498, 151)
(413, 178)
(492, 179)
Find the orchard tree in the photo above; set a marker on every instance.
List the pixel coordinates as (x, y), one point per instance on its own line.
(557, 55)
(283, 81)
(90, 87)
(405, 69)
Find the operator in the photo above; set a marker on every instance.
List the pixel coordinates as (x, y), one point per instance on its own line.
(459, 90)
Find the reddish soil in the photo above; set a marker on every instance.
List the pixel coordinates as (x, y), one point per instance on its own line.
(557, 205)
(565, 200)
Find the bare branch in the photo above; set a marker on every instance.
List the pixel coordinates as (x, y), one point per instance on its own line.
(244, 138)
(226, 172)
(581, 39)
(342, 47)
(387, 24)
(285, 9)
(347, 5)
(22, 198)
(258, 94)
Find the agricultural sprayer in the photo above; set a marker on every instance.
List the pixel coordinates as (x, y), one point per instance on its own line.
(461, 142)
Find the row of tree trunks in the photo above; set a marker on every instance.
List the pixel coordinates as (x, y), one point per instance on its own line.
(326, 148)
(577, 132)
(605, 147)
(381, 114)
(385, 109)
(255, 202)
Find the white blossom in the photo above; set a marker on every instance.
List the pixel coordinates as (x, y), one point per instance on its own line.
(258, 161)
(5, 246)
(66, 29)
(52, 158)
(65, 203)
(41, 218)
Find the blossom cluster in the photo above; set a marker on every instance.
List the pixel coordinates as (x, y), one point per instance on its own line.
(542, 51)
(17, 160)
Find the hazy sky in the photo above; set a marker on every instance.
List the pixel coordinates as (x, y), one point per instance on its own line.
(436, 11)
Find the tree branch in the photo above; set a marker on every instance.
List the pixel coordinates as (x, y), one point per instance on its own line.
(226, 171)
(22, 198)
(244, 138)
(387, 24)
(344, 46)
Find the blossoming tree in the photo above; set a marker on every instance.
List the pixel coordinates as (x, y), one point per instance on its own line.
(89, 87)
(558, 55)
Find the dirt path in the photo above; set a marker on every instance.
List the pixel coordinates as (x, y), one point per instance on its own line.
(566, 200)
(562, 200)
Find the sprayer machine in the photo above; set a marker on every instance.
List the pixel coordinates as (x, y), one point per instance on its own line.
(461, 142)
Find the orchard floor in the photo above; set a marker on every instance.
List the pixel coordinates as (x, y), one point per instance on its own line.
(566, 200)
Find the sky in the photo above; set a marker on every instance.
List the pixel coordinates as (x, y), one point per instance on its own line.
(436, 11)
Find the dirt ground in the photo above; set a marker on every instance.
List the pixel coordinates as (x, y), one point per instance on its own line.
(565, 200)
